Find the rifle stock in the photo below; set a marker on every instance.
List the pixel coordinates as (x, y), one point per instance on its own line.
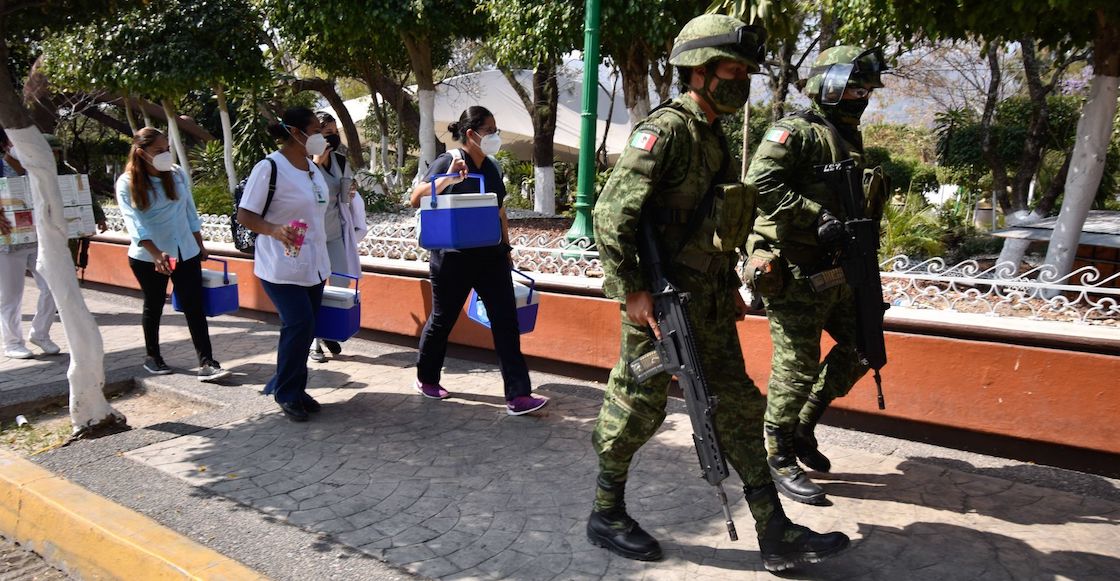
(676, 353)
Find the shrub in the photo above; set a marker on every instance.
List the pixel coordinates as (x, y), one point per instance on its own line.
(912, 230)
(212, 197)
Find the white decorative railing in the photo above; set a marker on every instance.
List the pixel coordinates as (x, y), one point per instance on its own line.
(1083, 296)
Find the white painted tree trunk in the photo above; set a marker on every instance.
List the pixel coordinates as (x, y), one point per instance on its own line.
(385, 154)
(178, 149)
(544, 189)
(427, 131)
(1014, 248)
(88, 406)
(227, 138)
(147, 118)
(1085, 171)
(400, 160)
(639, 111)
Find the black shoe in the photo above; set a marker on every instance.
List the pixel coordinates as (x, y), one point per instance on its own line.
(788, 476)
(212, 371)
(156, 366)
(310, 404)
(805, 445)
(616, 532)
(295, 411)
(783, 544)
(333, 346)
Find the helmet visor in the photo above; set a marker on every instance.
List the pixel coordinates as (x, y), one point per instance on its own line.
(834, 82)
(747, 42)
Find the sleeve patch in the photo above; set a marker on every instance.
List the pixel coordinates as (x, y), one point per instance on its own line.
(643, 140)
(777, 135)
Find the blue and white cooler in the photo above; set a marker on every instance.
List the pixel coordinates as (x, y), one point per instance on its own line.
(340, 315)
(219, 291)
(525, 298)
(456, 221)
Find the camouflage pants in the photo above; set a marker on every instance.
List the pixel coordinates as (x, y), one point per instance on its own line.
(797, 317)
(632, 411)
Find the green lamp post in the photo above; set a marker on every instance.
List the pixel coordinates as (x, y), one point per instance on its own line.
(582, 232)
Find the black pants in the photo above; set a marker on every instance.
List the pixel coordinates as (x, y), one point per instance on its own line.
(188, 286)
(453, 275)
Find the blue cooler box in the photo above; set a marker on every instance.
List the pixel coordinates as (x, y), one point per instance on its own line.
(525, 298)
(459, 220)
(219, 292)
(340, 315)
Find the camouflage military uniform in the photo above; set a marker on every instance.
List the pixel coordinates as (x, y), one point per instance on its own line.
(791, 196)
(672, 158)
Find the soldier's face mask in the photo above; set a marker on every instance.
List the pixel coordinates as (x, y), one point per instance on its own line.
(729, 95)
(866, 68)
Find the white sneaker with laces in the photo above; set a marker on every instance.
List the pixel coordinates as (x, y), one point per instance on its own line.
(49, 347)
(18, 352)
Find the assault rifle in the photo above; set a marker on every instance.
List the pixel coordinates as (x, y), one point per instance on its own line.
(859, 259)
(676, 353)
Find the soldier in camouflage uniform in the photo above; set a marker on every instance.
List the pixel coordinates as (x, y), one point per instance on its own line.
(674, 157)
(793, 251)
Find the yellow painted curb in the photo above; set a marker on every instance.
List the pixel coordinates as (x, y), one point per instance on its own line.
(93, 538)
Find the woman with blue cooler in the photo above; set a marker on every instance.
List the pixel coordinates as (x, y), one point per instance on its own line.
(342, 243)
(159, 212)
(291, 258)
(487, 269)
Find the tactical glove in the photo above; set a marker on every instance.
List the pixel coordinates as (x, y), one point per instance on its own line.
(830, 230)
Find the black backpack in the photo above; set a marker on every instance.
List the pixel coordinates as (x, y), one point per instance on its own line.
(243, 238)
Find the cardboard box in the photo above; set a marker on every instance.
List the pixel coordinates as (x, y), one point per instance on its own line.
(23, 228)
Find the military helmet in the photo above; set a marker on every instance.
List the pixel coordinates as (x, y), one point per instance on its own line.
(709, 37)
(844, 66)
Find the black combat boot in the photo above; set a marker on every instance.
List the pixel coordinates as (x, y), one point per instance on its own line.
(790, 479)
(783, 544)
(616, 532)
(805, 441)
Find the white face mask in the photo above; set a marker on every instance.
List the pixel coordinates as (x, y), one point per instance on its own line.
(162, 161)
(491, 144)
(316, 144)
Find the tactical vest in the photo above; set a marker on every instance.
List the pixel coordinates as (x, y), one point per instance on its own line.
(726, 222)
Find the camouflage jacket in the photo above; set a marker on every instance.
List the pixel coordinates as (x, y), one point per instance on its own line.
(791, 193)
(671, 160)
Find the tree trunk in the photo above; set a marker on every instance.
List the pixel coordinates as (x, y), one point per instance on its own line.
(780, 84)
(420, 58)
(1046, 202)
(326, 88)
(227, 138)
(988, 151)
(130, 116)
(107, 120)
(383, 128)
(634, 67)
(830, 26)
(176, 139)
(662, 74)
(546, 95)
(1093, 131)
(89, 409)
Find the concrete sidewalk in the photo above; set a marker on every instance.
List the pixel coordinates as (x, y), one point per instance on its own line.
(384, 484)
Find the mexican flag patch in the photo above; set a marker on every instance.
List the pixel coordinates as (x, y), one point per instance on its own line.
(643, 140)
(777, 135)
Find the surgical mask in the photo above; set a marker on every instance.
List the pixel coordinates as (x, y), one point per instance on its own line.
(850, 110)
(490, 144)
(729, 95)
(162, 161)
(333, 140)
(315, 144)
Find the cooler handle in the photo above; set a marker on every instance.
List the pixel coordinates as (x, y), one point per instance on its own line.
(532, 284)
(481, 183)
(225, 268)
(353, 278)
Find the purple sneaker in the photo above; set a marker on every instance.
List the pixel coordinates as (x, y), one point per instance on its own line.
(524, 404)
(431, 390)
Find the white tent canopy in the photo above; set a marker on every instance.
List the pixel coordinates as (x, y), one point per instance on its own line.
(492, 90)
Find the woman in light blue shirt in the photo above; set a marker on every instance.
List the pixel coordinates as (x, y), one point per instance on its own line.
(155, 200)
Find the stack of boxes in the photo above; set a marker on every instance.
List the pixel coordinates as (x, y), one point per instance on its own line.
(15, 202)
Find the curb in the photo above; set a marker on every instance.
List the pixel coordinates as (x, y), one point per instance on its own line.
(93, 538)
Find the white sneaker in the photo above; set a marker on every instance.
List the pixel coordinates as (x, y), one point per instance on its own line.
(49, 347)
(18, 352)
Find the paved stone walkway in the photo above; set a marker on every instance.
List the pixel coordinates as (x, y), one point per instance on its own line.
(457, 489)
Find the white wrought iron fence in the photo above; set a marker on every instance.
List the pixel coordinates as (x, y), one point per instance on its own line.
(1084, 295)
